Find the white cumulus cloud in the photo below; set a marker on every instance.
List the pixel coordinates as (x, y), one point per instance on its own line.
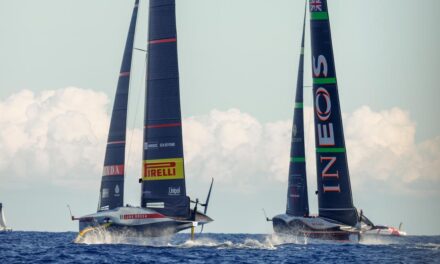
(237, 149)
(54, 136)
(381, 147)
(58, 137)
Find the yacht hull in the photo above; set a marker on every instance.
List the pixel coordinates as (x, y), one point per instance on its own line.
(134, 222)
(314, 227)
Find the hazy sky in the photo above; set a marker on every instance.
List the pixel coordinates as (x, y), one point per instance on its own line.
(238, 61)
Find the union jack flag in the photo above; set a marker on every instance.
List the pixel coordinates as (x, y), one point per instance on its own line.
(315, 5)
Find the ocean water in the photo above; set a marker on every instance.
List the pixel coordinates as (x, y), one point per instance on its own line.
(47, 247)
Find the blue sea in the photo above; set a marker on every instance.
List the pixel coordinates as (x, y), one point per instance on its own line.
(47, 247)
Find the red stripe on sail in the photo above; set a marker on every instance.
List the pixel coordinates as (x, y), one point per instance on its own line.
(124, 74)
(113, 170)
(115, 142)
(164, 125)
(158, 41)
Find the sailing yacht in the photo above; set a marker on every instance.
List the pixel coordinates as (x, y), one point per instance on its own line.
(3, 227)
(338, 219)
(165, 207)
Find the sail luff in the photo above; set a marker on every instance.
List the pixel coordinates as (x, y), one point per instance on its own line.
(297, 197)
(112, 183)
(334, 188)
(163, 179)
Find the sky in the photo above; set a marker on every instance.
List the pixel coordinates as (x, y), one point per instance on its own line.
(238, 62)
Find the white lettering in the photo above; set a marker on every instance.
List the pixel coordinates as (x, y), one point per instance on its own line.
(322, 61)
(150, 145)
(323, 115)
(325, 171)
(167, 144)
(155, 205)
(326, 137)
(173, 191)
(105, 193)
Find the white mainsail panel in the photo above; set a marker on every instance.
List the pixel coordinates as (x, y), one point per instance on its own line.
(2, 219)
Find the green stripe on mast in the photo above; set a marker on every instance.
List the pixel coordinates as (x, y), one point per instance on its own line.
(299, 105)
(330, 150)
(324, 80)
(297, 159)
(319, 16)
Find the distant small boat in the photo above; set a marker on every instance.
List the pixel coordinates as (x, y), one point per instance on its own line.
(338, 219)
(165, 208)
(3, 227)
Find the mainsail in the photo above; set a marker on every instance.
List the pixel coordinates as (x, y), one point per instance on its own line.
(2, 218)
(112, 183)
(297, 199)
(163, 179)
(334, 189)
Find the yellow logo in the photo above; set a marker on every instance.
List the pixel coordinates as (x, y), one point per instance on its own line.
(163, 169)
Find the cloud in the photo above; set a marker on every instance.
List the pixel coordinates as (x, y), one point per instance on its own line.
(237, 149)
(58, 137)
(381, 148)
(53, 136)
(226, 146)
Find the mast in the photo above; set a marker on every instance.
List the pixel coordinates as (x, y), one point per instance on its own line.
(297, 199)
(163, 178)
(112, 183)
(334, 189)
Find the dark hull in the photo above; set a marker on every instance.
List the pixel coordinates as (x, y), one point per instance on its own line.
(310, 227)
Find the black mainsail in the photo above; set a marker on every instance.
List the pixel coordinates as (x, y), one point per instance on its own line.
(163, 179)
(297, 199)
(334, 189)
(112, 183)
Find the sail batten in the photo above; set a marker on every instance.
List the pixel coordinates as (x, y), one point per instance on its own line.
(297, 197)
(112, 183)
(334, 188)
(163, 177)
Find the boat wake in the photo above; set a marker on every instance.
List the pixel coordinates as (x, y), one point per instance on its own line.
(279, 239)
(248, 243)
(264, 242)
(379, 240)
(98, 237)
(244, 241)
(429, 246)
(267, 242)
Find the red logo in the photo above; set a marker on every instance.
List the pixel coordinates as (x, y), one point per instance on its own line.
(139, 216)
(113, 170)
(315, 5)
